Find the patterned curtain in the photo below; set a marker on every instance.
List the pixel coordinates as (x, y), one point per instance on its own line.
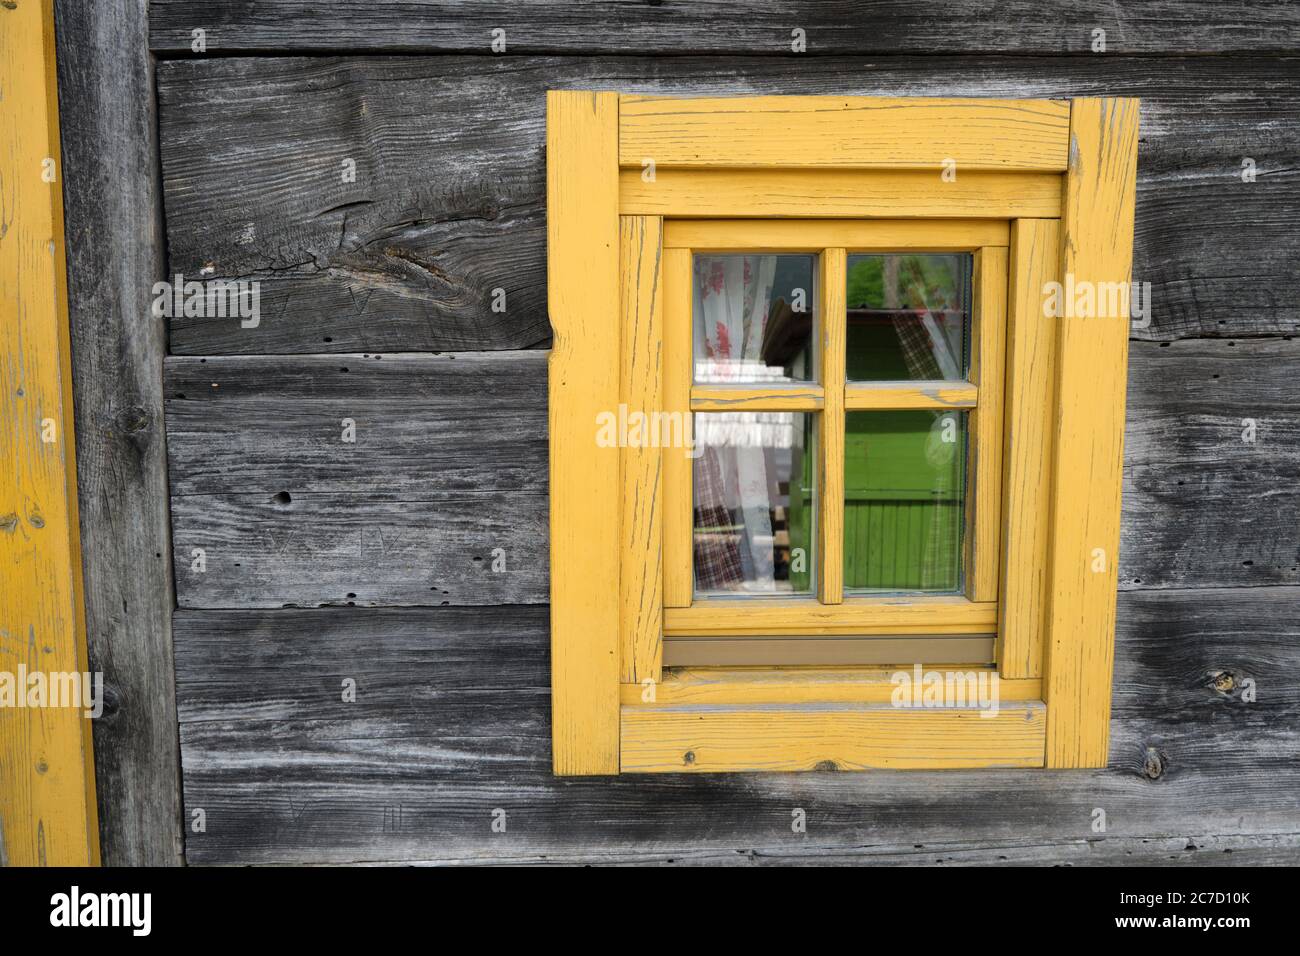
(733, 490)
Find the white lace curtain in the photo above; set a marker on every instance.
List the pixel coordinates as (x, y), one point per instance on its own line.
(735, 476)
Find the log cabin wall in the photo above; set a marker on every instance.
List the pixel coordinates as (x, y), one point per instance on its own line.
(381, 172)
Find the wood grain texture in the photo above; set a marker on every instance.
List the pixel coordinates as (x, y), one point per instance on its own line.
(1027, 457)
(756, 398)
(582, 242)
(439, 499)
(448, 202)
(47, 764)
(833, 193)
(837, 132)
(943, 649)
(1203, 506)
(113, 203)
(1088, 433)
(727, 28)
(679, 509)
(451, 721)
(812, 235)
(909, 395)
(831, 325)
(694, 738)
(641, 360)
(852, 615)
(987, 425)
(438, 433)
(793, 685)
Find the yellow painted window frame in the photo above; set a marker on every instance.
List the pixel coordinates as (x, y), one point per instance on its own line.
(1059, 178)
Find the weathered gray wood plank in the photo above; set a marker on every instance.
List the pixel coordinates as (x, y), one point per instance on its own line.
(449, 464)
(440, 499)
(1203, 507)
(1268, 849)
(728, 27)
(451, 723)
(447, 203)
(112, 206)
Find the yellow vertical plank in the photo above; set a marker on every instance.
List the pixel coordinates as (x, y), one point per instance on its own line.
(1092, 352)
(47, 784)
(641, 355)
(583, 295)
(830, 483)
(677, 374)
(988, 372)
(1027, 450)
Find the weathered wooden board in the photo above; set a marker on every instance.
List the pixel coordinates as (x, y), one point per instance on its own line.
(447, 205)
(1203, 506)
(439, 499)
(1238, 850)
(449, 464)
(765, 27)
(112, 205)
(450, 723)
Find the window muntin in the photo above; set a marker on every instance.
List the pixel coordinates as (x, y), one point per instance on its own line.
(896, 515)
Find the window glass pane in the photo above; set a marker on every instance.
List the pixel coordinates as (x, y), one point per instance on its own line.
(904, 484)
(754, 318)
(753, 503)
(908, 317)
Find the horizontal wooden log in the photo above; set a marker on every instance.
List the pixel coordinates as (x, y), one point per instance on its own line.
(437, 241)
(440, 498)
(765, 27)
(1238, 850)
(449, 464)
(1211, 464)
(451, 723)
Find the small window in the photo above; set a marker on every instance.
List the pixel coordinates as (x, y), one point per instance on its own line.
(851, 439)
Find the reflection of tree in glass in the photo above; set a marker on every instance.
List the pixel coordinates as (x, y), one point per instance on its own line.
(904, 282)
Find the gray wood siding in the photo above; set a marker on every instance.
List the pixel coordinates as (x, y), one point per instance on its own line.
(447, 205)
(730, 27)
(451, 722)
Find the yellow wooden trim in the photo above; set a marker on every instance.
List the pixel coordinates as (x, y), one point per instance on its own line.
(833, 319)
(855, 615)
(583, 289)
(839, 193)
(889, 396)
(855, 235)
(1092, 354)
(640, 568)
(47, 771)
(840, 650)
(678, 356)
(754, 398)
(844, 131)
(824, 736)
(984, 510)
(731, 686)
(1027, 456)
